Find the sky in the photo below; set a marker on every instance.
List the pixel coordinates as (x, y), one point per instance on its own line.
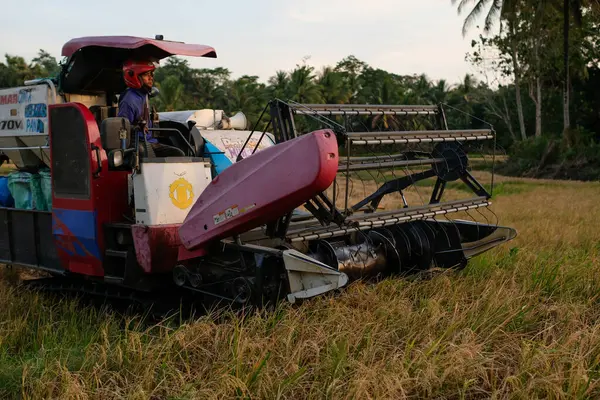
(260, 37)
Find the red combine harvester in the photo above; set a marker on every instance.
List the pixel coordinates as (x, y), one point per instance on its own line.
(283, 215)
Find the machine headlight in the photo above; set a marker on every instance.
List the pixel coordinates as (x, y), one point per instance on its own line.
(115, 158)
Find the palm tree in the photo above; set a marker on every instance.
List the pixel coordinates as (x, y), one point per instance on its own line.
(244, 94)
(333, 87)
(500, 10)
(466, 87)
(388, 93)
(420, 88)
(279, 85)
(440, 91)
(463, 96)
(381, 87)
(171, 93)
(494, 12)
(302, 85)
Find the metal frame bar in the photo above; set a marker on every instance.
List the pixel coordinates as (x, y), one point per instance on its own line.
(47, 81)
(456, 133)
(366, 109)
(24, 148)
(172, 130)
(329, 220)
(404, 163)
(373, 220)
(421, 140)
(434, 133)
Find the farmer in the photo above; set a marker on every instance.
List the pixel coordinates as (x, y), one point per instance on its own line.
(133, 103)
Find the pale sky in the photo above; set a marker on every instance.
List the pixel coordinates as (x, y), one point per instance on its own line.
(259, 37)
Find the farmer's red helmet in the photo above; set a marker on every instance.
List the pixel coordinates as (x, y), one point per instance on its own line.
(132, 69)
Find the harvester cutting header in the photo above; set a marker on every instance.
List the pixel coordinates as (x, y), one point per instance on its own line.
(194, 201)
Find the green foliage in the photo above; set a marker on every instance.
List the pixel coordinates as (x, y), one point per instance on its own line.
(171, 94)
(15, 71)
(552, 157)
(546, 49)
(533, 150)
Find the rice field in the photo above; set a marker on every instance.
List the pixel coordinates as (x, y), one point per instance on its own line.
(521, 321)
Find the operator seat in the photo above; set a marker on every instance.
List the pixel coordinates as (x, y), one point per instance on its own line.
(101, 112)
(110, 135)
(110, 131)
(176, 140)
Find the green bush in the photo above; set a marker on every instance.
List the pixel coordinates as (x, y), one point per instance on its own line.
(553, 157)
(533, 150)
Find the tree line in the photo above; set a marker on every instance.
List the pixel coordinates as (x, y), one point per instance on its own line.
(541, 43)
(539, 77)
(546, 54)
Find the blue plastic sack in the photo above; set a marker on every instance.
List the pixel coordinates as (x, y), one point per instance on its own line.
(6, 199)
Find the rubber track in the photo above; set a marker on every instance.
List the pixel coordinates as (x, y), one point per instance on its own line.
(155, 305)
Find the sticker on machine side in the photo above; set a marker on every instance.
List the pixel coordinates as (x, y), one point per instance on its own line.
(231, 212)
(248, 207)
(227, 214)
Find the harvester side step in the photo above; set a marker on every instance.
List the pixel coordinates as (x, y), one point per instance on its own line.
(113, 280)
(116, 253)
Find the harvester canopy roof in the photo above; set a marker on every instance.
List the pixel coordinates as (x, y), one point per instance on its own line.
(139, 47)
(95, 62)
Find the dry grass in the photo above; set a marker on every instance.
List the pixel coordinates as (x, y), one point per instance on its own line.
(522, 321)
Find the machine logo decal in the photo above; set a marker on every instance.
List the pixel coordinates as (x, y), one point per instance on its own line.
(181, 193)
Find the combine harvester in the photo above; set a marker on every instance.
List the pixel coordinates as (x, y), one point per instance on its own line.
(324, 195)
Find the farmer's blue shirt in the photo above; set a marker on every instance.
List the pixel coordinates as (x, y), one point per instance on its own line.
(131, 106)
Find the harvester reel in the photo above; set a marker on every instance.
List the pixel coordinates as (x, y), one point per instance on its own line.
(455, 162)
